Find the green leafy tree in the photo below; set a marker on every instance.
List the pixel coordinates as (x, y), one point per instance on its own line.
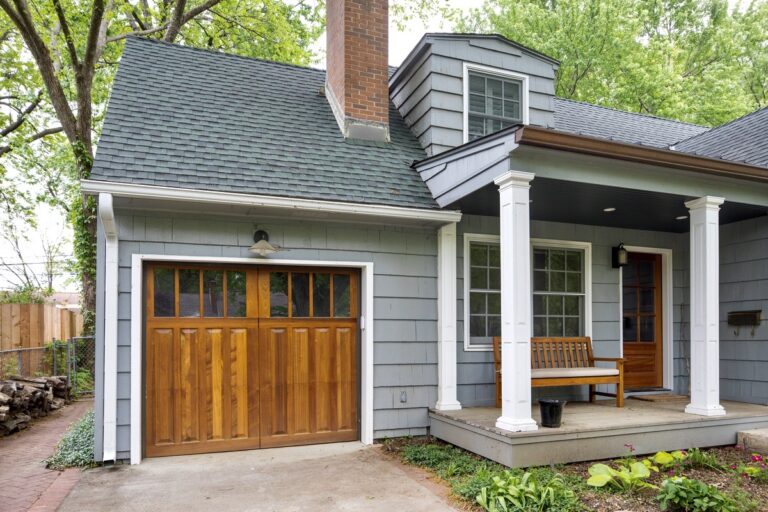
(696, 61)
(58, 59)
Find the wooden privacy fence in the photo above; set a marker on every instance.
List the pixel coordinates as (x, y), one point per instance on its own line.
(34, 325)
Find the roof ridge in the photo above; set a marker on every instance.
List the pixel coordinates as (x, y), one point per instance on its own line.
(640, 114)
(718, 127)
(219, 53)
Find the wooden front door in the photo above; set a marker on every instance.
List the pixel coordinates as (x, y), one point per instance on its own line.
(241, 358)
(642, 321)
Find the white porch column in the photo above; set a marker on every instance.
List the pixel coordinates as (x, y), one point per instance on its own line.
(705, 306)
(446, 319)
(515, 302)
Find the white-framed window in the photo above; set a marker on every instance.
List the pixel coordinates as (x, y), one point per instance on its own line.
(561, 289)
(493, 99)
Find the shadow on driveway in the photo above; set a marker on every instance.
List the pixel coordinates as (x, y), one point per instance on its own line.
(330, 477)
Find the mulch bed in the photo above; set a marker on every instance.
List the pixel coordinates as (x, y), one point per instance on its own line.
(599, 500)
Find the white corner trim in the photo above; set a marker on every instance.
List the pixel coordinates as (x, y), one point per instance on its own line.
(130, 190)
(107, 216)
(668, 324)
(137, 334)
(501, 73)
(535, 242)
(447, 399)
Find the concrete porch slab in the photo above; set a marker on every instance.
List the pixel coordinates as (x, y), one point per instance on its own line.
(595, 431)
(754, 440)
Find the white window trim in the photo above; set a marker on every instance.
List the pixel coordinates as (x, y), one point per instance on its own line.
(535, 242)
(501, 73)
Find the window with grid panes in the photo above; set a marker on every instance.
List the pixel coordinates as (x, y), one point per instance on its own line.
(494, 103)
(558, 292)
(484, 292)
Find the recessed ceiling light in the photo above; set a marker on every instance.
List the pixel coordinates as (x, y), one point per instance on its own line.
(681, 217)
(610, 209)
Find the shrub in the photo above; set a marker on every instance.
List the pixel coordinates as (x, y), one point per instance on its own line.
(755, 469)
(512, 492)
(682, 494)
(76, 447)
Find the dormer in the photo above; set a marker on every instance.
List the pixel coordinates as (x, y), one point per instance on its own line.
(454, 88)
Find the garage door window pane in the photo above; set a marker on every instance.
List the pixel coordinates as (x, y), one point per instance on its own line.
(299, 295)
(236, 294)
(165, 291)
(213, 293)
(321, 299)
(341, 295)
(278, 294)
(189, 293)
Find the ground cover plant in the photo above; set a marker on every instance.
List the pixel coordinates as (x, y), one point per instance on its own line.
(721, 479)
(76, 446)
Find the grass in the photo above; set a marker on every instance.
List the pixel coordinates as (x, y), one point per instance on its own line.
(467, 474)
(76, 446)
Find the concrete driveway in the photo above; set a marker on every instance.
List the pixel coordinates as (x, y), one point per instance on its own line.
(342, 476)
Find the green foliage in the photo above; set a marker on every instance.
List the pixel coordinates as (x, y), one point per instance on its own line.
(9, 365)
(699, 459)
(666, 461)
(700, 62)
(76, 447)
(525, 493)
(688, 495)
(625, 478)
(755, 469)
(82, 215)
(25, 295)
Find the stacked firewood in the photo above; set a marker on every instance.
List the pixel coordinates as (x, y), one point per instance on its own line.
(25, 398)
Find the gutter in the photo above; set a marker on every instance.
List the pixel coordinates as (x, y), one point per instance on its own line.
(107, 217)
(553, 139)
(130, 190)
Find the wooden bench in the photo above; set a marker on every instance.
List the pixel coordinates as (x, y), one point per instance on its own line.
(566, 362)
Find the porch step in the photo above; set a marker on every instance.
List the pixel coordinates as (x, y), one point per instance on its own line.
(754, 440)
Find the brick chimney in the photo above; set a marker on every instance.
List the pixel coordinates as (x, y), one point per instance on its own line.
(357, 78)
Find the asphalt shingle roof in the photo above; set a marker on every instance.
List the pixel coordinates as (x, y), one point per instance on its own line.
(742, 140)
(190, 118)
(630, 128)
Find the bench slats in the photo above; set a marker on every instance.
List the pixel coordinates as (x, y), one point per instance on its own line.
(562, 352)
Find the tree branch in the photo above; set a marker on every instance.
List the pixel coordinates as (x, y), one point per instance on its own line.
(198, 10)
(39, 135)
(67, 34)
(15, 125)
(176, 21)
(147, 32)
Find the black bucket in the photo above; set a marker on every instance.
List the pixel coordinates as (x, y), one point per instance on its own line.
(551, 412)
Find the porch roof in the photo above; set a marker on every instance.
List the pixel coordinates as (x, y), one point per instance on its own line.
(577, 176)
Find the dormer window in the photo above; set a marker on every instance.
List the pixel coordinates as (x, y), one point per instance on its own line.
(493, 99)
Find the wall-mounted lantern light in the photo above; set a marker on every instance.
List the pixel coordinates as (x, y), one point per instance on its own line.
(261, 246)
(619, 256)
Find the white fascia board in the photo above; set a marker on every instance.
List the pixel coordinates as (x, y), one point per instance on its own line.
(130, 190)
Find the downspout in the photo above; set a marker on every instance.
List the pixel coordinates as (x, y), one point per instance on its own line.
(107, 218)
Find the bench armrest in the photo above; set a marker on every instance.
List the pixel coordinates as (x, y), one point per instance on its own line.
(618, 360)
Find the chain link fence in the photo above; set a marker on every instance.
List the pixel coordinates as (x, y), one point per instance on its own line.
(74, 358)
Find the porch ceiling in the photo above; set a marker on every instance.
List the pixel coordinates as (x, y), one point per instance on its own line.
(583, 203)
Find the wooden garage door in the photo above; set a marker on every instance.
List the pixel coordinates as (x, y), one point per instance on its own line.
(241, 358)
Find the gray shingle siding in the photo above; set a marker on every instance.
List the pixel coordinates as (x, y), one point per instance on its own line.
(405, 297)
(744, 286)
(190, 118)
(475, 369)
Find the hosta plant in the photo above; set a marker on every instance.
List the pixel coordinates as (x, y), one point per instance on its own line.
(626, 478)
